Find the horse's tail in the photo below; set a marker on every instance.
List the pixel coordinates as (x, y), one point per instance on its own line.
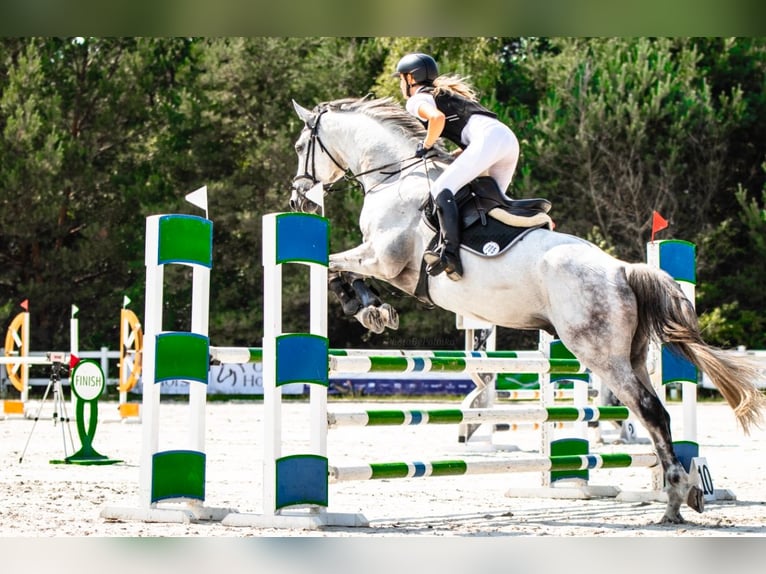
(667, 316)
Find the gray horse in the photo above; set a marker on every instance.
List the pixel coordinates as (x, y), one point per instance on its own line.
(604, 310)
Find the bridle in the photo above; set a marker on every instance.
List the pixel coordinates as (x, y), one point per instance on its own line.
(348, 175)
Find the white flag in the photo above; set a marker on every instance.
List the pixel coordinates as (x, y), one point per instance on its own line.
(125, 301)
(316, 194)
(75, 308)
(199, 198)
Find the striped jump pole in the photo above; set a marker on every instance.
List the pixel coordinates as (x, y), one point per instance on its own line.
(489, 364)
(458, 467)
(241, 355)
(172, 482)
(678, 258)
(476, 416)
(348, 361)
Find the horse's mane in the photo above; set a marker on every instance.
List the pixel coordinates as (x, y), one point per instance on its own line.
(384, 110)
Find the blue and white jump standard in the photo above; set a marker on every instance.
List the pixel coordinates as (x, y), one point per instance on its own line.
(295, 487)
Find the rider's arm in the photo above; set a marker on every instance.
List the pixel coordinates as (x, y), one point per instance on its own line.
(435, 119)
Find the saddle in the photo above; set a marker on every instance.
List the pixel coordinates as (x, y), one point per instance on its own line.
(491, 221)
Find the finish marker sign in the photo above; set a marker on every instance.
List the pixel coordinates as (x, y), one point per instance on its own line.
(87, 381)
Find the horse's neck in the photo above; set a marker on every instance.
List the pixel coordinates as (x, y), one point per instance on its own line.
(365, 144)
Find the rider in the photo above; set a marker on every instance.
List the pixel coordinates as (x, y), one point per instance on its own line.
(447, 106)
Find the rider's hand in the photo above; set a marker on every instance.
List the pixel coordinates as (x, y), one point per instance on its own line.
(421, 151)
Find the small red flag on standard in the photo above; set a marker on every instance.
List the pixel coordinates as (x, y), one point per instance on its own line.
(658, 223)
(73, 360)
(25, 304)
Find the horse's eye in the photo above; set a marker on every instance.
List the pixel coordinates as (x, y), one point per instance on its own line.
(298, 148)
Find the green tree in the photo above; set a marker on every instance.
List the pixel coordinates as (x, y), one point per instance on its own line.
(81, 120)
(628, 126)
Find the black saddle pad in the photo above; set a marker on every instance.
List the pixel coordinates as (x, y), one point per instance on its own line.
(480, 233)
(493, 237)
(488, 239)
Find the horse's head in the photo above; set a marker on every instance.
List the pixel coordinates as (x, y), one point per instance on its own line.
(316, 164)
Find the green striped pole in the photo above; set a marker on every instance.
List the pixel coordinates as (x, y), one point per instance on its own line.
(457, 467)
(401, 361)
(236, 355)
(378, 364)
(476, 416)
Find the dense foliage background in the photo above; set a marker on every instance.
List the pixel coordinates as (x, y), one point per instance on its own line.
(98, 133)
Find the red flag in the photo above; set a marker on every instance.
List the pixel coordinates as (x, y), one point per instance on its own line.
(658, 223)
(25, 305)
(73, 360)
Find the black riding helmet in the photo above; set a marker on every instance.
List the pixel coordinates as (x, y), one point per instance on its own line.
(422, 67)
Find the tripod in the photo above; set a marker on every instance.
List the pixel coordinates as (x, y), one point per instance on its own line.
(59, 403)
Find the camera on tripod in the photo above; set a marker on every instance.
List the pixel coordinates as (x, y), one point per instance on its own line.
(56, 357)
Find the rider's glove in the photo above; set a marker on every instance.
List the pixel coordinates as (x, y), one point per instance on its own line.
(421, 151)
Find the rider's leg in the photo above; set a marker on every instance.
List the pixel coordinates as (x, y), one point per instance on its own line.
(495, 149)
(448, 257)
(503, 169)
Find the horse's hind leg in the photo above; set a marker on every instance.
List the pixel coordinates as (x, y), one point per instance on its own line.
(673, 468)
(641, 399)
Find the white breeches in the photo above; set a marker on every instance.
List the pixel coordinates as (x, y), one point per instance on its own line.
(495, 151)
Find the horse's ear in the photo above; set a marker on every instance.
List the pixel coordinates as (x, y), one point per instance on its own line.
(306, 115)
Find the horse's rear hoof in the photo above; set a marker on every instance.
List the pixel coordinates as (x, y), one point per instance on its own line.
(672, 518)
(696, 499)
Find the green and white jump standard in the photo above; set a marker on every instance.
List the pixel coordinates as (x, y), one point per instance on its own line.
(172, 482)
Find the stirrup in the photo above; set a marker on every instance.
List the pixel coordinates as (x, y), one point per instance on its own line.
(437, 263)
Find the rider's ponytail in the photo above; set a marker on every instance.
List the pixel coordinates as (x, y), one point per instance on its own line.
(456, 85)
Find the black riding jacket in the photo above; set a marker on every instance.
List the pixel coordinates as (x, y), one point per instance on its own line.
(457, 111)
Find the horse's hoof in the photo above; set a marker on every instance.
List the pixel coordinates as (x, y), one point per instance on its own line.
(672, 518)
(371, 319)
(696, 499)
(390, 316)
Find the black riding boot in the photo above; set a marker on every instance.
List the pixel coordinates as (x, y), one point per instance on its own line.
(447, 256)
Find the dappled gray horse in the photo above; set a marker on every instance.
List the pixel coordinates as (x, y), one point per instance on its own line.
(604, 310)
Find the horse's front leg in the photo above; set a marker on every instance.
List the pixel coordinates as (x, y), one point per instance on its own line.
(358, 298)
(340, 285)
